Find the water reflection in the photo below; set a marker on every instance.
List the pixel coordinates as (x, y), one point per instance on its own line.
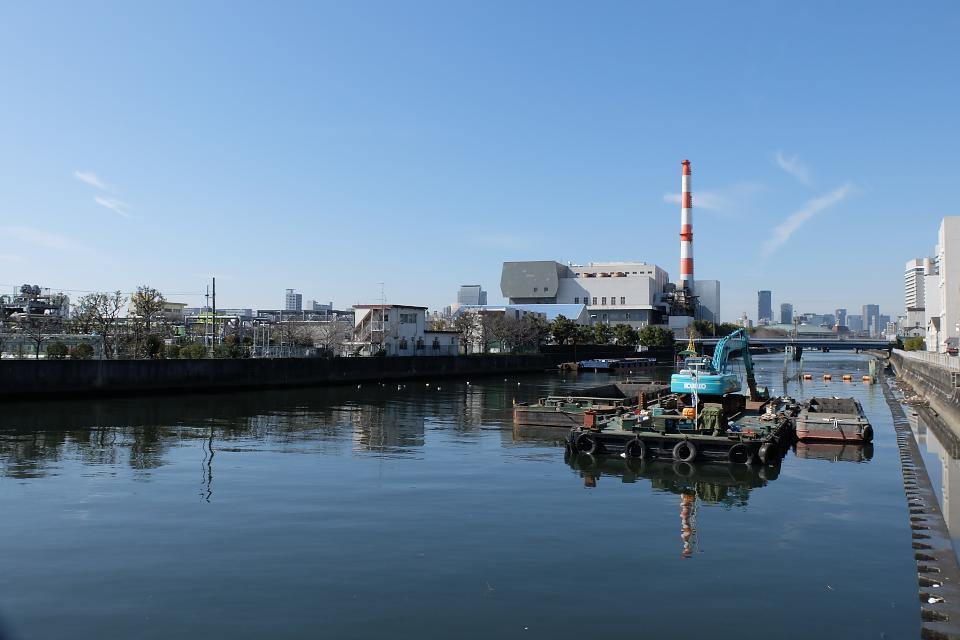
(722, 485)
(834, 452)
(940, 447)
(140, 432)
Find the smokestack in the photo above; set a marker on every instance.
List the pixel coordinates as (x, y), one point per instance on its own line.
(686, 229)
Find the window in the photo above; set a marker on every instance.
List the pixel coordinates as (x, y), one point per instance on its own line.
(408, 318)
(613, 299)
(534, 289)
(623, 300)
(603, 300)
(545, 289)
(594, 299)
(576, 301)
(628, 315)
(403, 344)
(436, 344)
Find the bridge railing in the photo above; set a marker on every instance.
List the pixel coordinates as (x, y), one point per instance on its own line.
(939, 359)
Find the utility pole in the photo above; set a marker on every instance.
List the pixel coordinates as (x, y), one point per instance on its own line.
(206, 310)
(214, 341)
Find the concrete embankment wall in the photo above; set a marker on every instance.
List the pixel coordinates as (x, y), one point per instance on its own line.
(936, 384)
(55, 378)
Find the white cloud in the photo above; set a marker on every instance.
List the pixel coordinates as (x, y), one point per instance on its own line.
(42, 239)
(797, 219)
(795, 168)
(90, 178)
(113, 204)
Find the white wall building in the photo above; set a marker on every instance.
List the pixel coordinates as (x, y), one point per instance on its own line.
(613, 292)
(948, 284)
(400, 330)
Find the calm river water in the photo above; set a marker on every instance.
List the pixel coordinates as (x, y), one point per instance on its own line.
(419, 512)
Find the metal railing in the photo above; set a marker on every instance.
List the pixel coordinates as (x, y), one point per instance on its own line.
(939, 359)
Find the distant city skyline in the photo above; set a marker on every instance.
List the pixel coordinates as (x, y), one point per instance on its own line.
(329, 150)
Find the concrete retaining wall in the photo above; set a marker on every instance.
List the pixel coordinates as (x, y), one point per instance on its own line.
(936, 384)
(54, 378)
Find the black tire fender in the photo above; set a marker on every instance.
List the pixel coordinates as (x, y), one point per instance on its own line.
(685, 451)
(739, 453)
(587, 443)
(635, 449)
(867, 434)
(768, 453)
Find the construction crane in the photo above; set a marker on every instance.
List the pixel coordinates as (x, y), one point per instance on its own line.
(706, 376)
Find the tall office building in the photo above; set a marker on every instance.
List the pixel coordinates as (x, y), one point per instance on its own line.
(841, 316)
(293, 301)
(948, 265)
(786, 313)
(855, 323)
(914, 291)
(764, 307)
(871, 319)
(472, 294)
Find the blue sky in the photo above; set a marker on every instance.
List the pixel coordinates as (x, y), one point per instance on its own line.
(331, 147)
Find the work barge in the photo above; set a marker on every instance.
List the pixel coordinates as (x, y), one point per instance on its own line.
(735, 430)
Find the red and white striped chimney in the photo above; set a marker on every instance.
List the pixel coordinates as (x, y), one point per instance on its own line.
(686, 229)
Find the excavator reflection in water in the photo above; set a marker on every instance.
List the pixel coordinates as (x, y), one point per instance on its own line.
(714, 484)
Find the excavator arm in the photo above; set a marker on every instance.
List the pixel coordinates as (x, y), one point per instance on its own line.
(739, 339)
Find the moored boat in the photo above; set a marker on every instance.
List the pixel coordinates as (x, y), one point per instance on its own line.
(566, 411)
(833, 420)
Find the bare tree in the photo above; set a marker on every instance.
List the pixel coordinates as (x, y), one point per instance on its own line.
(147, 303)
(102, 311)
(37, 328)
(465, 325)
(330, 337)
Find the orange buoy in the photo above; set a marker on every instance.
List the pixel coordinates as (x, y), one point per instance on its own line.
(867, 378)
(827, 377)
(847, 377)
(808, 376)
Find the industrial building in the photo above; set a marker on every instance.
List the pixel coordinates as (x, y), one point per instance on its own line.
(634, 293)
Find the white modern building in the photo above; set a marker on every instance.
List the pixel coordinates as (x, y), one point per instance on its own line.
(293, 301)
(915, 297)
(948, 281)
(613, 292)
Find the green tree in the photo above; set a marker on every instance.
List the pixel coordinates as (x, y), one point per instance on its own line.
(82, 351)
(57, 350)
(702, 328)
(172, 352)
(193, 352)
(654, 336)
(910, 344)
(725, 329)
(563, 330)
(601, 333)
(624, 334)
(153, 347)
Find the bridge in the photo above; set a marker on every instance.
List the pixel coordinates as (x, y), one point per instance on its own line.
(797, 345)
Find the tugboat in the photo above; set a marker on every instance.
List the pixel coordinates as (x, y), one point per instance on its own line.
(833, 420)
(704, 420)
